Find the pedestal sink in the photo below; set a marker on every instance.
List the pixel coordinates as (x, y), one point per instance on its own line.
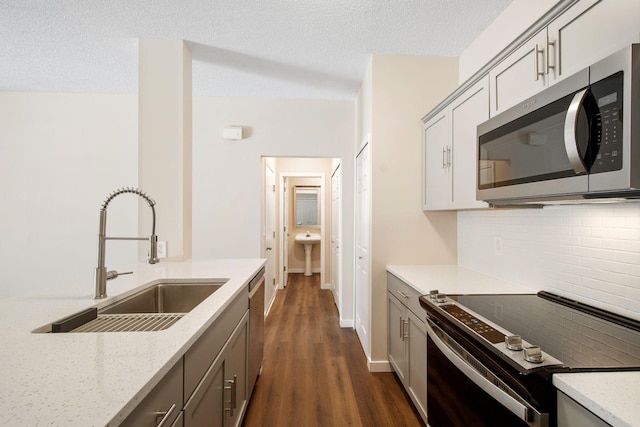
(308, 240)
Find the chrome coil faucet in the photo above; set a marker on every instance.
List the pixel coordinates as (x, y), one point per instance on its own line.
(102, 275)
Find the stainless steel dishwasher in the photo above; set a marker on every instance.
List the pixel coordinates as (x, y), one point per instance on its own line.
(256, 327)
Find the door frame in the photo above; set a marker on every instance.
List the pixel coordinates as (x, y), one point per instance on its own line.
(284, 198)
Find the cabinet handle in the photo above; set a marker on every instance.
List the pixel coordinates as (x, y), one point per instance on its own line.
(406, 330)
(549, 66)
(538, 52)
(448, 156)
(233, 389)
(444, 153)
(231, 398)
(402, 294)
(401, 329)
(165, 416)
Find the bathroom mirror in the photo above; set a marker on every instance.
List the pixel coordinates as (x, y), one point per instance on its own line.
(307, 205)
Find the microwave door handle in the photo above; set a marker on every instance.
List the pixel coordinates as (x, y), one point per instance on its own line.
(570, 125)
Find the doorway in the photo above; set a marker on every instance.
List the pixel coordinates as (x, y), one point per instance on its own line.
(310, 177)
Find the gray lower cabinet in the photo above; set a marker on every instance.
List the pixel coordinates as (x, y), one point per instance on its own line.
(208, 386)
(221, 397)
(162, 405)
(571, 413)
(407, 340)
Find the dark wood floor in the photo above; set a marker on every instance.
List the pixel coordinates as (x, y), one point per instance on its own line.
(315, 373)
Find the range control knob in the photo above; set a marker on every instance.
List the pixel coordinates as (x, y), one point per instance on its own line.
(533, 354)
(441, 298)
(433, 293)
(513, 342)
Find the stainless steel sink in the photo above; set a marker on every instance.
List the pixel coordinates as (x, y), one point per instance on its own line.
(164, 298)
(154, 308)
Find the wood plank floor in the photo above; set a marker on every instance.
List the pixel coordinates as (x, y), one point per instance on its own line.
(315, 373)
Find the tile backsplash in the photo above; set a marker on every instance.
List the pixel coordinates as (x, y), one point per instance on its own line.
(590, 253)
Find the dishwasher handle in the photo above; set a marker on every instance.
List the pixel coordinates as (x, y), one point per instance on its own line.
(473, 369)
(256, 288)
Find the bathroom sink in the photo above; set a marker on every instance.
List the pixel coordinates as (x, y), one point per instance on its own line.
(153, 308)
(164, 298)
(307, 238)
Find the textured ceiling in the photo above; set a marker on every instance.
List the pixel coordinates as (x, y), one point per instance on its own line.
(265, 48)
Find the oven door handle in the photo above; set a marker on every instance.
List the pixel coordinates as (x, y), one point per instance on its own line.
(511, 401)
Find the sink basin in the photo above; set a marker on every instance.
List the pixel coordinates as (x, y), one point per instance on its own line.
(307, 239)
(164, 298)
(153, 308)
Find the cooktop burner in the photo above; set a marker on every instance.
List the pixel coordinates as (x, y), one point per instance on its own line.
(576, 338)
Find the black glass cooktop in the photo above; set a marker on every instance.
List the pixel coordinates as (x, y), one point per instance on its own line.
(577, 338)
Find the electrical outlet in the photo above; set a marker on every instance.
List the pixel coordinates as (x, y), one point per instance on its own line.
(162, 248)
(497, 245)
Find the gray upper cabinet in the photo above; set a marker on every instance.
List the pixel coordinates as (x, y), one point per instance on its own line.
(589, 31)
(585, 33)
(449, 151)
(569, 38)
(522, 74)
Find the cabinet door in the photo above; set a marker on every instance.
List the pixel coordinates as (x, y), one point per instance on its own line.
(571, 413)
(418, 362)
(236, 374)
(520, 75)
(467, 112)
(206, 407)
(589, 31)
(163, 403)
(436, 154)
(397, 331)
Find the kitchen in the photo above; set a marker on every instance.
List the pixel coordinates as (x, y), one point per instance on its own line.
(442, 238)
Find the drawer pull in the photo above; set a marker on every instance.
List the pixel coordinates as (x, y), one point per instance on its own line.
(403, 295)
(165, 416)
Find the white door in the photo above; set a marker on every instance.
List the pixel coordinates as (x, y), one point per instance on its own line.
(269, 232)
(335, 234)
(363, 231)
(285, 232)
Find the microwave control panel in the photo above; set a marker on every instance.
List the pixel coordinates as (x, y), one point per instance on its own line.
(607, 124)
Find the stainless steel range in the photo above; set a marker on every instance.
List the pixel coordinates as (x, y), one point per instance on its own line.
(491, 357)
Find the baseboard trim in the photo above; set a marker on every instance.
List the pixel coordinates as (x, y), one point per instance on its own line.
(271, 303)
(346, 323)
(379, 366)
(301, 270)
(326, 286)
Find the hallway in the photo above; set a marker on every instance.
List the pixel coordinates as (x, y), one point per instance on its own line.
(315, 373)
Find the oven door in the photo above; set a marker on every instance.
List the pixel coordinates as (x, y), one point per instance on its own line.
(462, 392)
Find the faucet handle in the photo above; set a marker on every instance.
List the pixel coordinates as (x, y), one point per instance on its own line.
(113, 274)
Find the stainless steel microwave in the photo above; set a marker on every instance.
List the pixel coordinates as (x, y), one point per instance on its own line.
(577, 140)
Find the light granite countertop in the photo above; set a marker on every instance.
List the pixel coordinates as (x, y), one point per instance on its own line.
(452, 279)
(612, 396)
(97, 379)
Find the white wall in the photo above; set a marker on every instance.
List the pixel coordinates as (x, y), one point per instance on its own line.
(60, 155)
(590, 253)
(397, 92)
(227, 174)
